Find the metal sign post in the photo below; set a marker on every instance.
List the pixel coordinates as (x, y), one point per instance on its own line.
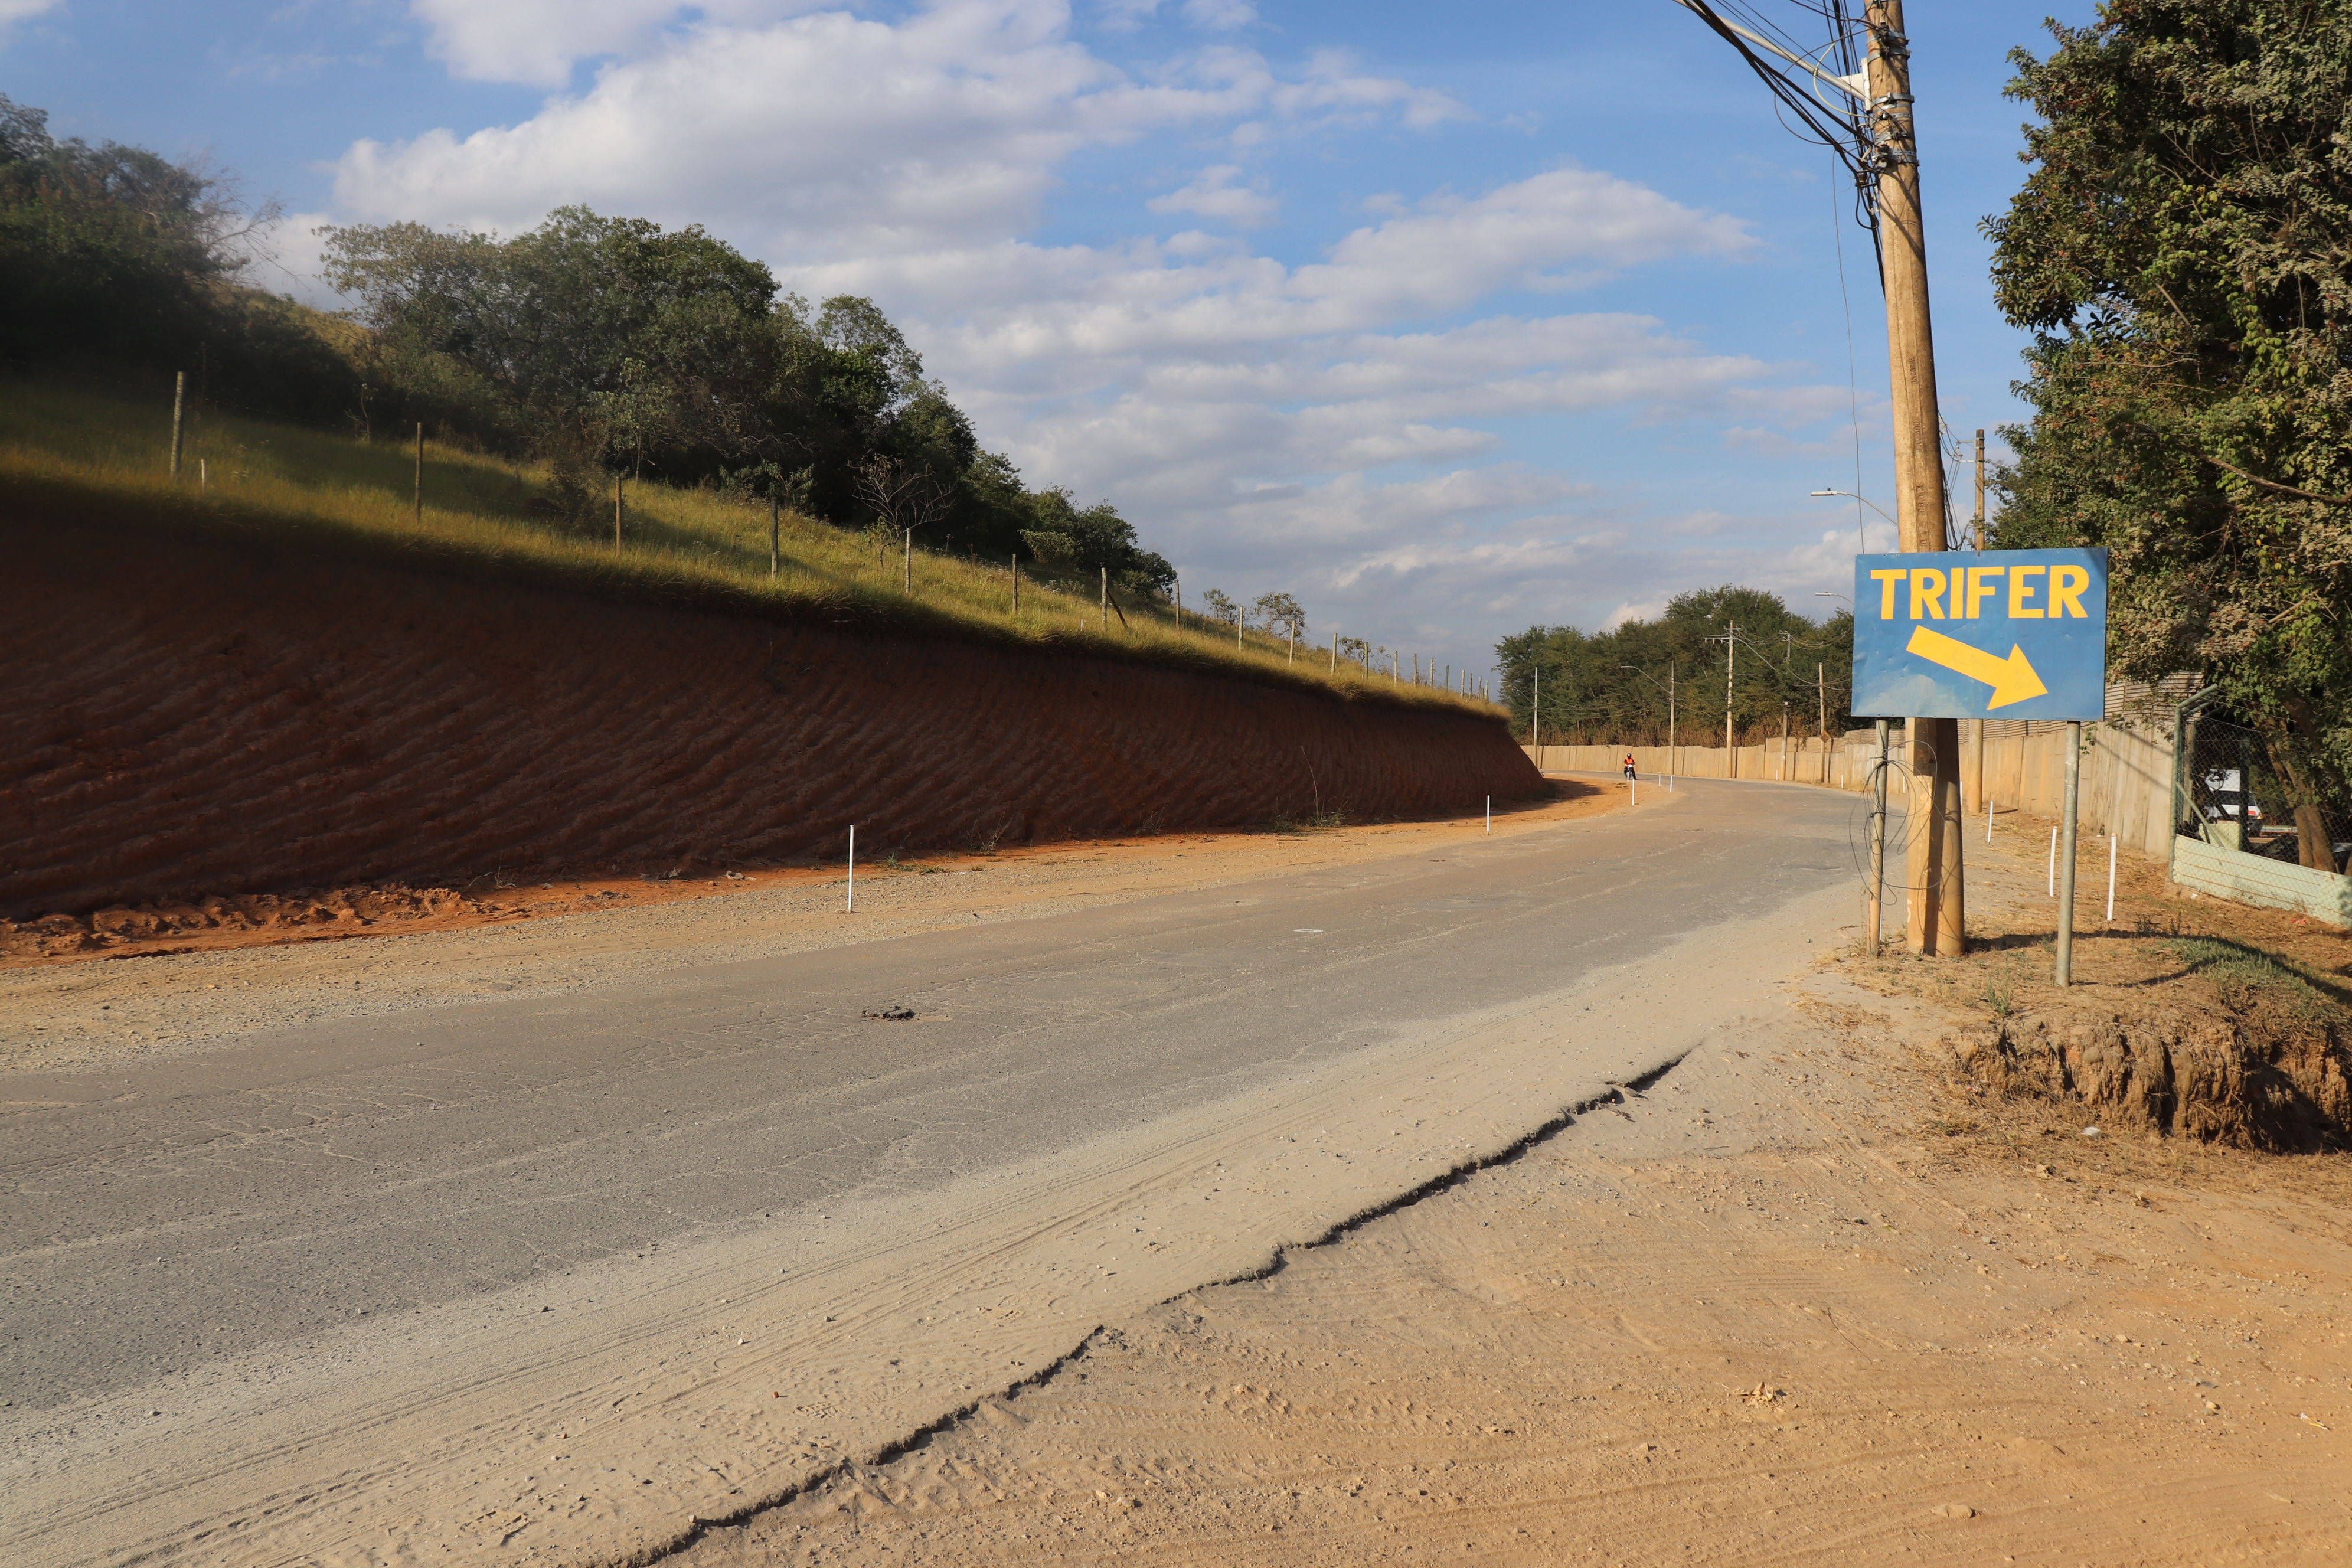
(1998, 634)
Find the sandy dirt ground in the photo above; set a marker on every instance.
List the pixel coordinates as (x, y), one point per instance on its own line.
(65, 1003)
(1808, 1296)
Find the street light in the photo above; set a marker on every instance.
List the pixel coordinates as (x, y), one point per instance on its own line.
(1857, 521)
(1674, 763)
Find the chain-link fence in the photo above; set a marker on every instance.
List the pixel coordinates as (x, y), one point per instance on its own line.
(2235, 792)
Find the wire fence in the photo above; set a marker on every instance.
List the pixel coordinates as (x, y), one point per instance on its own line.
(2237, 794)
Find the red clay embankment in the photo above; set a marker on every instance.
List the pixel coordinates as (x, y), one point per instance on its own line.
(180, 718)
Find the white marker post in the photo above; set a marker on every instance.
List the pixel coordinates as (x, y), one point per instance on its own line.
(1490, 813)
(1987, 816)
(853, 869)
(2054, 862)
(2111, 878)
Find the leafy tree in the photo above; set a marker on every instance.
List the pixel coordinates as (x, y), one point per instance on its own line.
(2179, 251)
(1586, 689)
(1219, 607)
(1281, 614)
(651, 346)
(1097, 538)
(115, 254)
(597, 342)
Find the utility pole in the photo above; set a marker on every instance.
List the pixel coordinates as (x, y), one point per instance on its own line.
(1981, 511)
(1730, 669)
(1936, 923)
(1878, 138)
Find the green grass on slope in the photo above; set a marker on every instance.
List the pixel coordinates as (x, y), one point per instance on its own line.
(75, 450)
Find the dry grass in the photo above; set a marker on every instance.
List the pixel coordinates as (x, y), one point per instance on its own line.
(79, 451)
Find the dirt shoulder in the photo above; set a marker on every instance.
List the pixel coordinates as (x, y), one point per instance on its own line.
(1821, 1292)
(171, 979)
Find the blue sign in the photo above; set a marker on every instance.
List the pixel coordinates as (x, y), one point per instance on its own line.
(2004, 634)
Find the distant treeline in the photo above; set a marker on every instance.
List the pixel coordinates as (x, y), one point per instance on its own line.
(1787, 667)
(601, 345)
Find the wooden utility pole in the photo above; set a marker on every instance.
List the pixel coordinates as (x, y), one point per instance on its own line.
(1981, 511)
(1936, 923)
(1730, 669)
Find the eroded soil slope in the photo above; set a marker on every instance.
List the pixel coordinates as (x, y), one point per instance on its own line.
(182, 720)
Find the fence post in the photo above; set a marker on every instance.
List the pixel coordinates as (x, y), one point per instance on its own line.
(179, 397)
(1877, 898)
(2066, 871)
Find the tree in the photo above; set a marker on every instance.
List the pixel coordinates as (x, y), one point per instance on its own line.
(1097, 538)
(1220, 608)
(1586, 688)
(902, 498)
(2180, 252)
(116, 255)
(652, 347)
(1281, 614)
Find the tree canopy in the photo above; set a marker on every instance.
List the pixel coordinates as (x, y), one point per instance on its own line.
(1588, 694)
(115, 253)
(2182, 252)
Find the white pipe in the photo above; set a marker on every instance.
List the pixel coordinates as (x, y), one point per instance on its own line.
(2054, 862)
(1490, 813)
(2111, 878)
(1987, 816)
(853, 869)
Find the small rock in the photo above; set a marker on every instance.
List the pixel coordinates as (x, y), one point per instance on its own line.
(890, 1010)
(2090, 1132)
(1956, 1510)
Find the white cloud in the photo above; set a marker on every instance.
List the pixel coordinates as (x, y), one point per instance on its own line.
(286, 260)
(12, 11)
(1331, 422)
(826, 135)
(1213, 195)
(1221, 15)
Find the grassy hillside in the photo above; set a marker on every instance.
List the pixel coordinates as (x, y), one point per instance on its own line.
(81, 450)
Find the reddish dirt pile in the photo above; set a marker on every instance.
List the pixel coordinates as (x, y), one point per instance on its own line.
(187, 721)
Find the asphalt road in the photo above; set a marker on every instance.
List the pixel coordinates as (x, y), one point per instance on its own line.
(193, 1209)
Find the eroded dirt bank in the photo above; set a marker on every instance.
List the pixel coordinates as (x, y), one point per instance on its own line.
(182, 719)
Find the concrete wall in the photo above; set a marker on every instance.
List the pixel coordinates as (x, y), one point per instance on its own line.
(2126, 790)
(2126, 773)
(2258, 880)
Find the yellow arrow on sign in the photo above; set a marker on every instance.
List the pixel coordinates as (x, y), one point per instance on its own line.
(2012, 680)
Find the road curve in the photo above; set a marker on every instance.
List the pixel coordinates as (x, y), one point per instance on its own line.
(549, 1278)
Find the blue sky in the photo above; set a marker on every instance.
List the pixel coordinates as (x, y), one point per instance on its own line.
(1448, 320)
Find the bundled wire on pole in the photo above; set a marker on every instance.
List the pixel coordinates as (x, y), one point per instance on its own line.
(1847, 127)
